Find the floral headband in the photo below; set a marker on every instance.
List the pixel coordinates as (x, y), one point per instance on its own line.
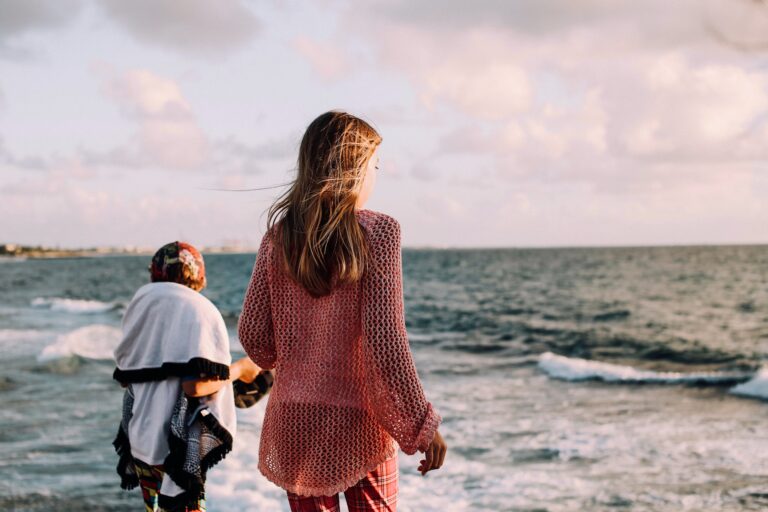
(168, 260)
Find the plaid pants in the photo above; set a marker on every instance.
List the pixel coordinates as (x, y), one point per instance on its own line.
(376, 492)
(150, 478)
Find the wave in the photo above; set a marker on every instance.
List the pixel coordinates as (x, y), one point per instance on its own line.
(90, 342)
(576, 369)
(20, 335)
(756, 387)
(77, 306)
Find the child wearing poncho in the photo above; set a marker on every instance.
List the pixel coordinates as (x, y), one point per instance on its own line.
(174, 361)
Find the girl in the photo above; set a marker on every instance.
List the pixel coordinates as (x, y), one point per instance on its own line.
(324, 307)
(178, 407)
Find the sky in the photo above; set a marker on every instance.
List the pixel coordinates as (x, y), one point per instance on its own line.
(505, 123)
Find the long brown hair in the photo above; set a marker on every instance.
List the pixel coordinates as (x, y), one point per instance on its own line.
(321, 241)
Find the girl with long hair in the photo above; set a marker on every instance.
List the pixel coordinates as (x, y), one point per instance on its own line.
(324, 308)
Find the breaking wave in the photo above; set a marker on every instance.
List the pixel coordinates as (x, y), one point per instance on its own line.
(77, 306)
(576, 369)
(90, 342)
(756, 387)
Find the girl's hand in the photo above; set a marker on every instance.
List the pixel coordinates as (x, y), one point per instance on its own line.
(435, 454)
(244, 369)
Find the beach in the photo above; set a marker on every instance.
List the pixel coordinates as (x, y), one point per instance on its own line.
(567, 379)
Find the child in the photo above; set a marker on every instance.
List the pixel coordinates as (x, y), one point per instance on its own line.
(174, 361)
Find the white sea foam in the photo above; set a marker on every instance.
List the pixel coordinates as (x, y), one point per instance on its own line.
(436, 336)
(575, 369)
(91, 342)
(237, 484)
(23, 342)
(19, 335)
(757, 387)
(77, 306)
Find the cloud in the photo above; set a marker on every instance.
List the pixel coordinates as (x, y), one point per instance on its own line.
(327, 59)
(197, 27)
(603, 93)
(693, 111)
(123, 212)
(540, 16)
(168, 132)
(473, 73)
(232, 156)
(20, 17)
(636, 23)
(654, 122)
(742, 25)
(76, 215)
(169, 137)
(490, 92)
(10, 160)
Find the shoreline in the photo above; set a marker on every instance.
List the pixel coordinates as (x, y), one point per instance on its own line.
(40, 254)
(50, 254)
(57, 255)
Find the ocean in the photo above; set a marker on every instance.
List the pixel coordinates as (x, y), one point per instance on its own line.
(568, 379)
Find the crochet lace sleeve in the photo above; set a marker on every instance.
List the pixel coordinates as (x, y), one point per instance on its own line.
(254, 328)
(395, 393)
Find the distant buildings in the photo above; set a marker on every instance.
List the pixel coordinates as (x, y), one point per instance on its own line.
(16, 250)
(10, 249)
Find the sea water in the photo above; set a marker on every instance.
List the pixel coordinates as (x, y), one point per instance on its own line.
(567, 379)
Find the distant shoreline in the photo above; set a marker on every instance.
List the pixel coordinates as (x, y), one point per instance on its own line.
(12, 251)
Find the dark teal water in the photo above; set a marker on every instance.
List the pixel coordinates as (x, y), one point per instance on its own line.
(484, 325)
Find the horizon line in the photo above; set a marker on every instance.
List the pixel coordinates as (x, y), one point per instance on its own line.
(225, 249)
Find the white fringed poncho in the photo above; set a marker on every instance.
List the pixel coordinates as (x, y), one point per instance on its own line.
(169, 332)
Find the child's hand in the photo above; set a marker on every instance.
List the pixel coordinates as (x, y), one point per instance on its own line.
(244, 369)
(435, 454)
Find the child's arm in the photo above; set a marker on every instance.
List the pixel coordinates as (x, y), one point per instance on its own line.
(243, 369)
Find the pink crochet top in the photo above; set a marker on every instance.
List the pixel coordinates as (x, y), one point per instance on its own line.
(346, 386)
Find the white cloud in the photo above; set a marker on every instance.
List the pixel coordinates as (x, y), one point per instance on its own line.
(127, 212)
(582, 103)
(197, 27)
(565, 142)
(693, 111)
(327, 59)
(492, 92)
(167, 136)
(552, 122)
(476, 72)
(168, 132)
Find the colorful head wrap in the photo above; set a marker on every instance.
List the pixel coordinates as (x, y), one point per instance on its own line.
(169, 261)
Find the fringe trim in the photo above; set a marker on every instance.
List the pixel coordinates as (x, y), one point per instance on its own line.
(217, 454)
(179, 503)
(195, 366)
(427, 431)
(174, 465)
(341, 486)
(123, 448)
